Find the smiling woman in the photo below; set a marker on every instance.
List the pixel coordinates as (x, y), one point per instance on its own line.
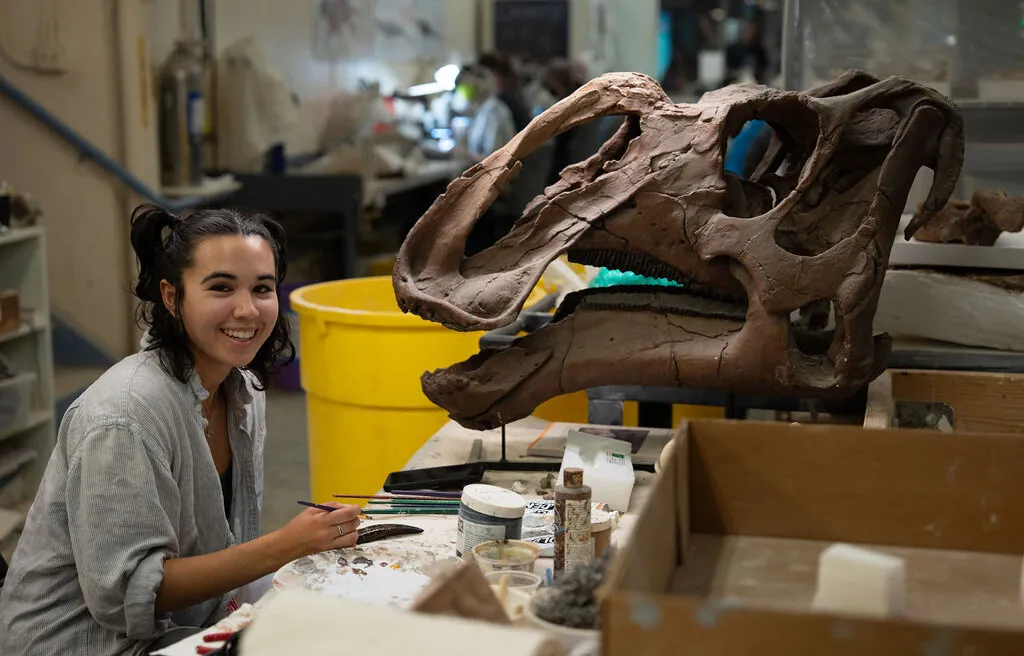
(146, 522)
(232, 264)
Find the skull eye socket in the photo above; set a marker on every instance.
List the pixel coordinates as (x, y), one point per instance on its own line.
(796, 128)
(745, 198)
(766, 159)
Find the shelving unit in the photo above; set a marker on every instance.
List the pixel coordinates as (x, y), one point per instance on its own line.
(25, 448)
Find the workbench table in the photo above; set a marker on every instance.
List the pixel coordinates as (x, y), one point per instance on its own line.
(452, 444)
(449, 446)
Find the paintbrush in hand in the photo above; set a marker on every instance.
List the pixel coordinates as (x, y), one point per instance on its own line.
(385, 497)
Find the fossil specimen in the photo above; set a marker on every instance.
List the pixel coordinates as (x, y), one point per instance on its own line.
(815, 224)
(978, 222)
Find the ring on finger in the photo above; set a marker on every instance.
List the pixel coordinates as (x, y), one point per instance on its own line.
(341, 531)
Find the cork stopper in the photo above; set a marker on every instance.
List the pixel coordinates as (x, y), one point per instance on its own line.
(573, 477)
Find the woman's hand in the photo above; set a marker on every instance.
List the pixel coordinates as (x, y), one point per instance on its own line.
(314, 530)
(188, 581)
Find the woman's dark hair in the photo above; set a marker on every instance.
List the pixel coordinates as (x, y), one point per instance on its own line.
(165, 255)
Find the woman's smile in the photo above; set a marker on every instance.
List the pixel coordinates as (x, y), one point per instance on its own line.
(240, 334)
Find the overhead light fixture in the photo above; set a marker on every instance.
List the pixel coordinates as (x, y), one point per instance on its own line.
(446, 75)
(426, 89)
(444, 80)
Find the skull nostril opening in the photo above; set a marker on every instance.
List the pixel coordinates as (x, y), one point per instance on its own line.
(812, 327)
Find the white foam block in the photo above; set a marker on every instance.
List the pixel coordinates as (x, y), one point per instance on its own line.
(950, 308)
(860, 581)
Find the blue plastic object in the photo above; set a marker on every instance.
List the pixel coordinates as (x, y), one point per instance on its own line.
(736, 156)
(614, 277)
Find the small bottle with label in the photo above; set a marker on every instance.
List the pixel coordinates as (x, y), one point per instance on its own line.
(573, 545)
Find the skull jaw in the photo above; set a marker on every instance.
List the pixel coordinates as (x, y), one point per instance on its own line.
(594, 348)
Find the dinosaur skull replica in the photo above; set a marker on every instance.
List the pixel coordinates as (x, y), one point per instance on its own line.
(814, 225)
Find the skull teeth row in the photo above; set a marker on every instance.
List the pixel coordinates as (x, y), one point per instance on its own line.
(639, 263)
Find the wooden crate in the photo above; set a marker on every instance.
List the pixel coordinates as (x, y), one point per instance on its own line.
(981, 402)
(723, 557)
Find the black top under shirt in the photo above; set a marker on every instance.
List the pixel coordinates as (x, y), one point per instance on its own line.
(225, 488)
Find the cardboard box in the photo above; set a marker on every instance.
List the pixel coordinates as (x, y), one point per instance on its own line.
(723, 557)
(10, 311)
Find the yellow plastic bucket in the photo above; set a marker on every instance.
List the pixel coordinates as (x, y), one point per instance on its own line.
(362, 359)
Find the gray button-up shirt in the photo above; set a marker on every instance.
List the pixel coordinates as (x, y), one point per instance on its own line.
(130, 482)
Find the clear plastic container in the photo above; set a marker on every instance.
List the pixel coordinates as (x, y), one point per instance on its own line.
(514, 580)
(918, 39)
(971, 52)
(506, 555)
(513, 589)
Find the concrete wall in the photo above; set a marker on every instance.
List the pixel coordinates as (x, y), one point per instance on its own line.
(86, 220)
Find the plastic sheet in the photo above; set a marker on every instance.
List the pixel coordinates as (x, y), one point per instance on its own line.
(966, 50)
(970, 50)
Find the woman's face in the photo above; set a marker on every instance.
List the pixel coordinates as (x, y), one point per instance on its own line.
(230, 302)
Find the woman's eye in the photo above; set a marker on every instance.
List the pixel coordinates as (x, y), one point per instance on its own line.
(220, 288)
(264, 289)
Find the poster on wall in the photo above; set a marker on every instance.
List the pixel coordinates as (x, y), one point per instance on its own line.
(409, 29)
(343, 29)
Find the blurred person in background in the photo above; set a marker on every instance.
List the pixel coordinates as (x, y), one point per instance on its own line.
(509, 86)
(747, 59)
(503, 111)
(535, 91)
(561, 79)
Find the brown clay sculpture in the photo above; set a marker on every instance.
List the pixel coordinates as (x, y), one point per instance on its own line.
(815, 223)
(977, 222)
